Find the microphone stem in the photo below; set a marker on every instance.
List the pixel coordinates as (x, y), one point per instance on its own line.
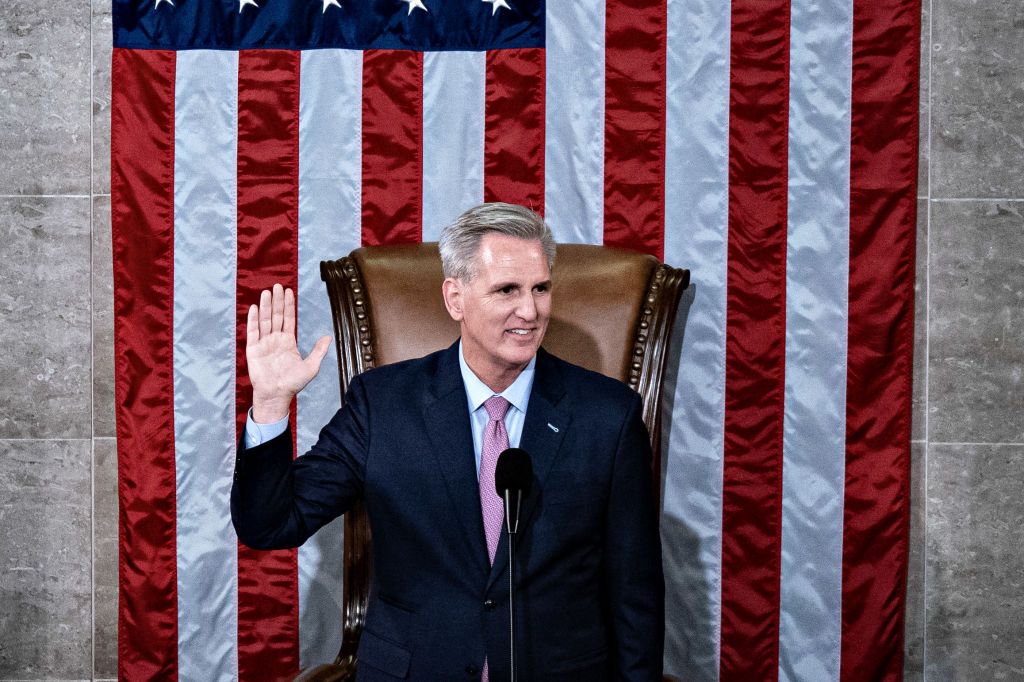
(512, 611)
(511, 591)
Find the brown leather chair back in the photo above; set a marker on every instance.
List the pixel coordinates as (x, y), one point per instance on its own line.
(612, 312)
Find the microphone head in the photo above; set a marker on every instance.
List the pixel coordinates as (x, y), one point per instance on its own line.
(514, 471)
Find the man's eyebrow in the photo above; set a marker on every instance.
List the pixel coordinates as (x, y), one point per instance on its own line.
(517, 285)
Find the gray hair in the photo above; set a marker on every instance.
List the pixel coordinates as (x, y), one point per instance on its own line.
(460, 241)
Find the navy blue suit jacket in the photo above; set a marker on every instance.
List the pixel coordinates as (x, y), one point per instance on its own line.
(589, 588)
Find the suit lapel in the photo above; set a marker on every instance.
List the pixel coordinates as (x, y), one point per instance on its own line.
(447, 419)
(543, 431)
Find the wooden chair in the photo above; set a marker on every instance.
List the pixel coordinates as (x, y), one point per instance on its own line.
(612, 312)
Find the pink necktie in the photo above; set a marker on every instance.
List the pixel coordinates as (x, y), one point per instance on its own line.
(495, 442)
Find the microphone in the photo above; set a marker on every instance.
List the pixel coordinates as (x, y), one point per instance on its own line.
(513, 475)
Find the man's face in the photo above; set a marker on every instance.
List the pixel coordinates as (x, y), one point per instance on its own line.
(504, 309)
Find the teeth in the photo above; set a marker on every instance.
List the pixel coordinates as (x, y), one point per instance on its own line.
(521, 332)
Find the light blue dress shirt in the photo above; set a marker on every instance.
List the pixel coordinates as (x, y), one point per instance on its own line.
(518, 394)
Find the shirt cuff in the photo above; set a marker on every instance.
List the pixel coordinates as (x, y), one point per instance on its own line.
(257, 434)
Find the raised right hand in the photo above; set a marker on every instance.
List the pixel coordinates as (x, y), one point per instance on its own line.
(276, 369)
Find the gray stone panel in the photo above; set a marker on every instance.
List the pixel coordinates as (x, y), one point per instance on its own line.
(102, 319)
(975, 567)
(105, 557)
(44, 88)
(913, 661)
(45, 582)
(977, 99)
(45, 318)
(976, 363)
(102, 38)
(918, 411)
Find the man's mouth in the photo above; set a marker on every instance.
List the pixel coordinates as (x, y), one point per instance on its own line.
(519, 332)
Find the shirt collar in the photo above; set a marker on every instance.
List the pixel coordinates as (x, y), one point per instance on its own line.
(518, 394)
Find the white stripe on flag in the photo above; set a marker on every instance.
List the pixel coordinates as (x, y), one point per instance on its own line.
(817, 262)
(696, 237)
(453, 136)
(330, 167)
(205, 127)
(574, 121)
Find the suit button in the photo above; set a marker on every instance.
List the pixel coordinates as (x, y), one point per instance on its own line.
(472, 670)
(490, 605)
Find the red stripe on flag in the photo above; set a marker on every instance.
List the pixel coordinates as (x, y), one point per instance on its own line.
(755, 340)
(392, 147)
(142, 216)
(514, 127)
(268, 197)
(634, 136)
(883, 179)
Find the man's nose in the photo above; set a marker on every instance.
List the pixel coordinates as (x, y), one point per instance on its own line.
(527, 308)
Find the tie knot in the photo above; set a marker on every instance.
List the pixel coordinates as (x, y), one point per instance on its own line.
(496, 407)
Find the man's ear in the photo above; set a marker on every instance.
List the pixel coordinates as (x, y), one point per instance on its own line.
(451, 289)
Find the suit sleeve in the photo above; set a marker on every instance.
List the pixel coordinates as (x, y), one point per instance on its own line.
(278, 502)
(634, 584)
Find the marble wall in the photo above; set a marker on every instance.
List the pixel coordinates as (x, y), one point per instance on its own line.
(58, 506)
(58, 530)
(967, 567)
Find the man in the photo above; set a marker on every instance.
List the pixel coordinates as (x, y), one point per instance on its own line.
(418, 441)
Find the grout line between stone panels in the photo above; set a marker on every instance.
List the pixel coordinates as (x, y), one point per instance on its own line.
(1000, 444)
(958, 200)
(39, 440)
(49, 196)
(92, 340)
(923, 615)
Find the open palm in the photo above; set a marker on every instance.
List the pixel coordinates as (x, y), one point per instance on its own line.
(276, 368)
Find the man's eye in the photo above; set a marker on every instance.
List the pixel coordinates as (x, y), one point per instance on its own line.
(541, 288)
(507, 290)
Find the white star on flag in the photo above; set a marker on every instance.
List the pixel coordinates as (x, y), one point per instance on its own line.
(495, 4)
(328, 3)
(415, 4)
(243, 3)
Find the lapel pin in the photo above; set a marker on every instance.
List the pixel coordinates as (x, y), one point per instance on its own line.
(552, 427)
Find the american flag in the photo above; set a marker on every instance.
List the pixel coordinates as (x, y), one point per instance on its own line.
(768, 146)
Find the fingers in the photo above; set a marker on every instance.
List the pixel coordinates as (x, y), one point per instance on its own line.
(277, 308)
(289, 312)
(265, 316)
(252, 326)
(276, 313)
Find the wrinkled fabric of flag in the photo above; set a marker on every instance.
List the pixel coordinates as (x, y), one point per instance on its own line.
(770, 147)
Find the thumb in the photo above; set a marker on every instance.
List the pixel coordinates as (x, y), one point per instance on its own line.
(318, 353)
